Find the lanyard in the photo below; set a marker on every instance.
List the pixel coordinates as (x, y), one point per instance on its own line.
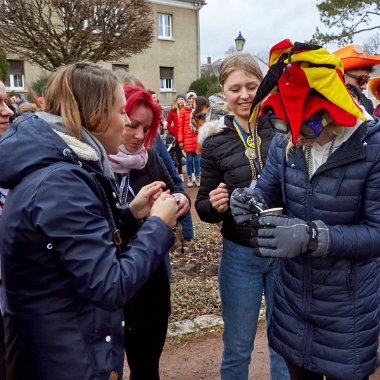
(124, 188)
(247, 139)
(250, 149)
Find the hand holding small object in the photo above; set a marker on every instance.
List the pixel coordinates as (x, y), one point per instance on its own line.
(165, 207)
(140, 206)
(280, 236)
(182, 203)
(245, 204)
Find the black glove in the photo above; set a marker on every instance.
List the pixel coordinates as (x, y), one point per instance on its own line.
(246, 204)
(280, 236)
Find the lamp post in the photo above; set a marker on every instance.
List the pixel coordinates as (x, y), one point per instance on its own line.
(239, 42)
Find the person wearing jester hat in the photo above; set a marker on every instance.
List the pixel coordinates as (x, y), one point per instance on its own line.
(228, 162)
(323, 166)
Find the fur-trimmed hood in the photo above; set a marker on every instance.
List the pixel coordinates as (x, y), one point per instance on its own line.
(209, 129)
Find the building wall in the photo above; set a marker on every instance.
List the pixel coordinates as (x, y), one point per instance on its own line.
(182, 52)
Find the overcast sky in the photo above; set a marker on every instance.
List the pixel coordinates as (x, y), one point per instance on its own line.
(262, 23)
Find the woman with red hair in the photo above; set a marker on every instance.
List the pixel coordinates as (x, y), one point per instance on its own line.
(147, 313)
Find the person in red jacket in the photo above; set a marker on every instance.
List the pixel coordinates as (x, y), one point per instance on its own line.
(187, 139)
(172, 126)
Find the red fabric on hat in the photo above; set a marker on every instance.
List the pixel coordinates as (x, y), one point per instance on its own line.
(313, 104)
(294, 94)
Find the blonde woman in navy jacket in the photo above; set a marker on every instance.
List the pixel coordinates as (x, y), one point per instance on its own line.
(66, 278)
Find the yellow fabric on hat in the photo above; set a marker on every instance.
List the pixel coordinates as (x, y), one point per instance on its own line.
(326, 80)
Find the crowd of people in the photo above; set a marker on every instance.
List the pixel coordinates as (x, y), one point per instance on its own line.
(91, 205)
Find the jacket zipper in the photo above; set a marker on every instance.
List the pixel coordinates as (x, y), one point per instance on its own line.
(307, 287)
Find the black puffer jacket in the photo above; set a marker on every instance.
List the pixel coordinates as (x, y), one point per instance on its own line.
(223, 160)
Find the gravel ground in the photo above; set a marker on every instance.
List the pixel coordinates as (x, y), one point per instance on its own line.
(195, 274)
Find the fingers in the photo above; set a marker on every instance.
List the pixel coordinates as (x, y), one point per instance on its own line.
(217, 194)
(154, 187)
(219, 198)
(270, 221)
(183, 205)
(165, 207)
(221, 204)
(166, 196)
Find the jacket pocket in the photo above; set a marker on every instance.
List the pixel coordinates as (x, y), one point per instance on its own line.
(349, 279)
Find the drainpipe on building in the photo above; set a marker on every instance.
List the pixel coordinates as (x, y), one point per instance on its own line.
(199, 6)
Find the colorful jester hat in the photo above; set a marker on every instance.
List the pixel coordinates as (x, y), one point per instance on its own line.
(308, 79)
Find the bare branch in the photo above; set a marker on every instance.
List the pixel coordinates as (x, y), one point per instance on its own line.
(346, 18)
(51, 33)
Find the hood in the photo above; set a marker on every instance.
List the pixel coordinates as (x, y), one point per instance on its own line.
(209, 129)
(373, 126)
(29, 144)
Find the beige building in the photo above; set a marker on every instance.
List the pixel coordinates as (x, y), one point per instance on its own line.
(167, 67)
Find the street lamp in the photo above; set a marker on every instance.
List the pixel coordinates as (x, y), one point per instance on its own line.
(239, 42)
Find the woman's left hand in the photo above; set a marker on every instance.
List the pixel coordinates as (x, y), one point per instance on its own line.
(183, 204)
(142, 203)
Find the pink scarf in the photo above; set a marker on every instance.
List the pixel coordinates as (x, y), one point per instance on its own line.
(123, 162)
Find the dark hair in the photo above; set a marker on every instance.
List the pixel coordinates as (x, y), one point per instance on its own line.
(199, 114)
(200, 103)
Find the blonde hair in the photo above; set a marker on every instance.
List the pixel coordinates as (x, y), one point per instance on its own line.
(127, 78)
(27, 107)
(83, 95)
(239, 61)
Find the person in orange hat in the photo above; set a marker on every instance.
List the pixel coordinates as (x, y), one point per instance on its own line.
(357, 67)
(374, 88)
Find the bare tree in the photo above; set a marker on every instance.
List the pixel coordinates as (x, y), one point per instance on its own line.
(51, 33)
(346, 18)
(372, 45)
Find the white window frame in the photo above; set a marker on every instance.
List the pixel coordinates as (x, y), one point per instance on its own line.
(13, 79)
(164, 26)
(166, 83)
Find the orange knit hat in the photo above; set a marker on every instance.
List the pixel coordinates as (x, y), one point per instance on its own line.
(354, 56)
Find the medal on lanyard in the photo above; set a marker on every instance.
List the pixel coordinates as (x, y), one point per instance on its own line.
(248, 141)
(250, 153)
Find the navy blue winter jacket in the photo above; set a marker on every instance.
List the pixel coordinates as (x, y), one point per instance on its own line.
(326, 311)
(65, 280)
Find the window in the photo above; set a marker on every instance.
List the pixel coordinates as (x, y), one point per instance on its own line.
(118, 66)
(164, 23)
(15, 80)
(166, 78)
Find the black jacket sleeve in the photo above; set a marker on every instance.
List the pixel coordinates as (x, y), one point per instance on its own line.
(212, 176)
